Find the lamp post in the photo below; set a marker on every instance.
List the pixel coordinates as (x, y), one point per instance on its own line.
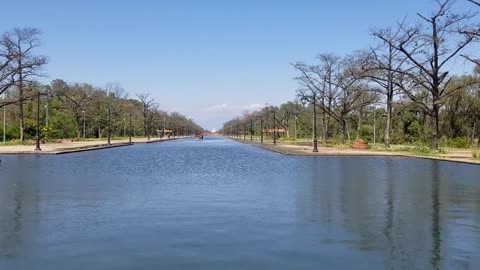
(37, 139)
(108, 127)
(84, 126)
(296, 112)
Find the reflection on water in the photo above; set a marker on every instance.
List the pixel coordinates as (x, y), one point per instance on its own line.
(18, 207)
(218, 204)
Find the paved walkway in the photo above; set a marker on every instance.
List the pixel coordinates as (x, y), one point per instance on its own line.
(455, 155)
(68, 146)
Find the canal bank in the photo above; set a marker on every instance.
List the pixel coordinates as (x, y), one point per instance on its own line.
(461, 156)
(68, 146)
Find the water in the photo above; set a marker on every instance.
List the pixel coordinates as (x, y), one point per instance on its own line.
(218, 204)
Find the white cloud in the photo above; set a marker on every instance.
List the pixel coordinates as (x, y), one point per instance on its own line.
(214, 115)
(253, 107)
(236, 109)
(217, 108)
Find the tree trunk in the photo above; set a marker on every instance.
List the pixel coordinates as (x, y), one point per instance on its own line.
(20, 104)
(348, 132)
(145, 121)
(78, 126)
(386, 138)
(325, 128)
(435, 128)
(343, 127)
(472, 135)
(359, 124)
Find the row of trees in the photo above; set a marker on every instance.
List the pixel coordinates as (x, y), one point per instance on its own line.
(71, 110)
(406, 80)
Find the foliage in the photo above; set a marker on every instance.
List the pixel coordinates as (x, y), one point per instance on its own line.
(49, 133)
(366, 133)
(458, 143)
(476, 153)
(442, 151)
(421, 149)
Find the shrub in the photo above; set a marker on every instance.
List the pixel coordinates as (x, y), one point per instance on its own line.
(30, 131)
(11, 132)
(458, 143)
(366, 133)
(443, 141)
(442, 151)
(421, 149)
(49, 133)
(476, 153)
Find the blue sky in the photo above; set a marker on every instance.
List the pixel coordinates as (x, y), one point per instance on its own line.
(207, 59)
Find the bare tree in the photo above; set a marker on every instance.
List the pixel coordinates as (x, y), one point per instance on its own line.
(380, 66)
(329, 66)
(147, 103)
(151, 113)
(6, 70)
(318, 81)
(350, 92)
(19, 45)
(74, 99)
(429, 49)
(474, 2)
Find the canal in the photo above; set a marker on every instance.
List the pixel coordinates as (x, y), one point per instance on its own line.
(219, 204)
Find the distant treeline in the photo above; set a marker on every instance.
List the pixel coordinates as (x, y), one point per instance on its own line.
(403, 86)
(71, 110)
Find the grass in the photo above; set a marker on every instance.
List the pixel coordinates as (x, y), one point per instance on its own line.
(342, 146)
(443, 151)
(26, 142)
(392, 148)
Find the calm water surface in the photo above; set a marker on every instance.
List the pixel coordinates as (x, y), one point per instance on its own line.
(218, 204)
